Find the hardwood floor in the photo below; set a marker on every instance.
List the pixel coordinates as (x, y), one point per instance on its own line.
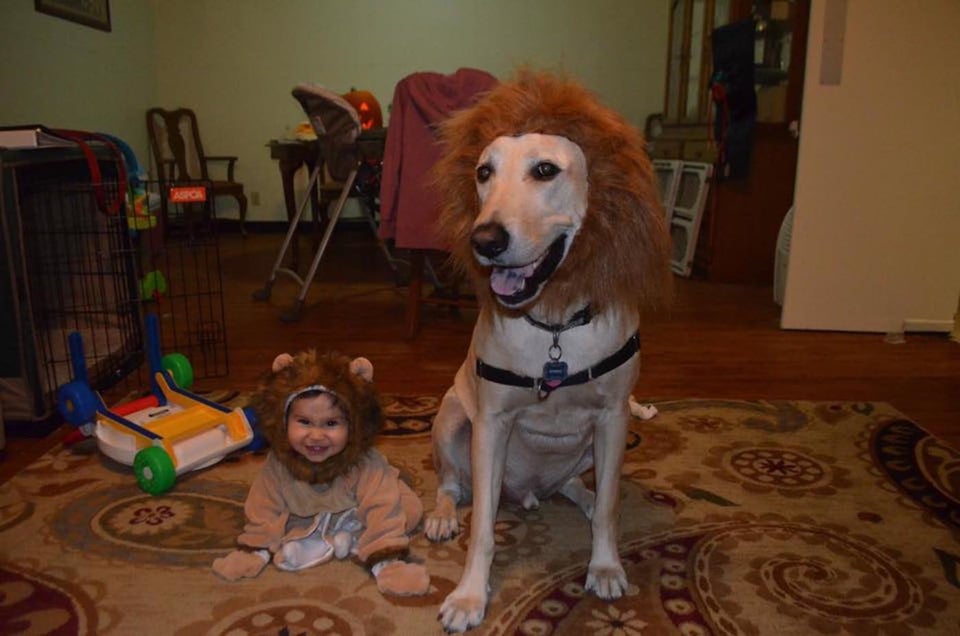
(718, 341)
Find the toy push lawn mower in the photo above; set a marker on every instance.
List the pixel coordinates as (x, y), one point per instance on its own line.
(167, 433)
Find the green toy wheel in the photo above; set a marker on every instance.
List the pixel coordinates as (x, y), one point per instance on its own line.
(154, 470)
(179, 367)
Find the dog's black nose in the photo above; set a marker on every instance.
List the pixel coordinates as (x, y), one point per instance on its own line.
(490, 239)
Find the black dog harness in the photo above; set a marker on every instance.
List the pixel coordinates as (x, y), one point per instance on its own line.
(555, 370)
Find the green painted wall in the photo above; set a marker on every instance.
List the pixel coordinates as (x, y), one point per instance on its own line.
(235, 61)
(67, 75)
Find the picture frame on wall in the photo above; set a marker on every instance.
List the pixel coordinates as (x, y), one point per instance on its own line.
(91, 13)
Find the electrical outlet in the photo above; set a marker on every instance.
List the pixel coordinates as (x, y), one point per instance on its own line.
(255, 198)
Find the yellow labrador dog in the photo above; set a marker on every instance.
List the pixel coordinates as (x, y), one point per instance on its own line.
(550, 203)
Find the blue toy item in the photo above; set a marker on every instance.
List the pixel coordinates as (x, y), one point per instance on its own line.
(165, 434)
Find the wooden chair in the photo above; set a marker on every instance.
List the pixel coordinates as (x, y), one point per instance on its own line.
(179, 156)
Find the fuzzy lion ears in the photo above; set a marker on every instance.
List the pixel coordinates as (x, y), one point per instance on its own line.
(363, 368)
(358, 366)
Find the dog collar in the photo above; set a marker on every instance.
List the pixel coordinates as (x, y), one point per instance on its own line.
(541, 385)
(578, 319)
(554, 369)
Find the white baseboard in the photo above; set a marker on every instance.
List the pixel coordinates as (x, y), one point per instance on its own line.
(921, 324)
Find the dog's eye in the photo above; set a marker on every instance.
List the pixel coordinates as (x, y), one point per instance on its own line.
(545, 171)
(483, 173)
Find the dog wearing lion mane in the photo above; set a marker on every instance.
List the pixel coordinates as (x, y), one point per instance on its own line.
(549, 203)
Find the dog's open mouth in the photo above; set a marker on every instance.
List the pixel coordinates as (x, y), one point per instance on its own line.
(515, 285)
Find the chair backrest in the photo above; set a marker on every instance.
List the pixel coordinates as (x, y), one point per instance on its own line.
(337, 125)
(175, 145)
(409, 206)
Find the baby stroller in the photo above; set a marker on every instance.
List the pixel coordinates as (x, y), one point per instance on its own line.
(352, 157)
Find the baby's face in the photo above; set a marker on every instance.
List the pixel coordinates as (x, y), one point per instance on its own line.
(316, 428)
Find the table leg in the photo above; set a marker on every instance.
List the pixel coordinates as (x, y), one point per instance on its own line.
(414, 293)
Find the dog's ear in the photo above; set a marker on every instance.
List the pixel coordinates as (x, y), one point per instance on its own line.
(363, 368)
(281, 361)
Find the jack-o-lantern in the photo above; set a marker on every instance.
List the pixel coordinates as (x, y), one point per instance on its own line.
(367, 107)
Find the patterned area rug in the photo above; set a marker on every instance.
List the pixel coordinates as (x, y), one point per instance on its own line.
(738, 518)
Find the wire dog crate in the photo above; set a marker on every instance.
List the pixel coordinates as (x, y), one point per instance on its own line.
(181, 279)
(67, 266)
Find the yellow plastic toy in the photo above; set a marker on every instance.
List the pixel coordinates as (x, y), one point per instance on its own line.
(165, 434)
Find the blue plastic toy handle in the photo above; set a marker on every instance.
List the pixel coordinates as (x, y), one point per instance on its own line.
(75, 342)
(153, 344)
(155, 356)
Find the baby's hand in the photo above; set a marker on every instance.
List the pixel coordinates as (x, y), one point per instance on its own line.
(241, 564)
(402, 579)
(342, 544)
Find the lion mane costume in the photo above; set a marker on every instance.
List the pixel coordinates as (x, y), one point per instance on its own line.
(623, 248)
(356, 396)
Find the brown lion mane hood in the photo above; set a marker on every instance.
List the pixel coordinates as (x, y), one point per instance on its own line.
(356, 395)
(621, 255)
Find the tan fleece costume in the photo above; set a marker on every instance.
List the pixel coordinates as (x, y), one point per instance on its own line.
(301, 514)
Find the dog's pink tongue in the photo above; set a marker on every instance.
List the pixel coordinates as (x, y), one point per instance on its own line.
(507, 281)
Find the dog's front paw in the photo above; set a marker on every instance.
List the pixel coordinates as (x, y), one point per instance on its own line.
(607, 582)
(442, 524)
(461, 611)
(441, 528)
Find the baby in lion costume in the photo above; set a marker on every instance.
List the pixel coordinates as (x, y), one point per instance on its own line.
(324, 491)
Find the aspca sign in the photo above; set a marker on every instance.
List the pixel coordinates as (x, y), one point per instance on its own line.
(188, 194)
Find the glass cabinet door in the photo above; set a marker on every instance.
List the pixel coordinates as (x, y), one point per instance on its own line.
(688, 74)
(695, 75)
(676, 62)
(778, 77)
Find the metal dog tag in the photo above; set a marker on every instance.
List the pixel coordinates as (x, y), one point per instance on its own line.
(554, 372)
